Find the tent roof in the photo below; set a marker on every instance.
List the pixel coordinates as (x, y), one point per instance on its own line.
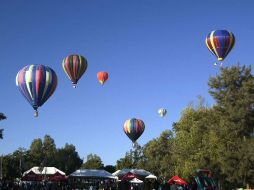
(136, 180)
(92, 173)
(129, 176)
(139, 172)
(151, 177)
(116, 172)
(45, 170)
(177, 180)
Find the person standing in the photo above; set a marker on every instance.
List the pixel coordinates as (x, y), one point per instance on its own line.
(173, 186)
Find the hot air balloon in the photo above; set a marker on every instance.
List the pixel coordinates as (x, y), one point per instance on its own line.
(220, 43)
(134, 128)
(102, 77)
(74, 66)
(36, 83)
(162, 112)
(1, 133)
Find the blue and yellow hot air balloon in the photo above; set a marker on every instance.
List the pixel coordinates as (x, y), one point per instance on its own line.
(74, 66)
(220, 43)
(134, 128)
(36, 83)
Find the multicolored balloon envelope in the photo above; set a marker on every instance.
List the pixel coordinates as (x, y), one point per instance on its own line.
(102, 77)
(74, 66)
(162, 112)
(134, 128)
(36, 83)
(220, 43)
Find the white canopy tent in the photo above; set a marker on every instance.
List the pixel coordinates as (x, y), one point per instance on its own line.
(136, 180)
(151, 177)
(86, 173)
(44, 171)
(116, 173)
(139, 172)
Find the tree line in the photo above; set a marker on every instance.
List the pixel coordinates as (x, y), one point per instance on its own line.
(218, 137)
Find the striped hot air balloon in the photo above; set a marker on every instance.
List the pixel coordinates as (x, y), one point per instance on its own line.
(134, 128)
(220, 43)
(102, 77)
(36, 83)
(74, 66)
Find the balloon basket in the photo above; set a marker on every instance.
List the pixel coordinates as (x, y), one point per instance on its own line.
(36, 114)
(218, 64)
(134, 145)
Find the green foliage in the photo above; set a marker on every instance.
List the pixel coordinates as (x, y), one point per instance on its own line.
(233, 91)
(41, 154)
(110, 168)
(194, 141)
(125, 162)
(2, 117)
(67, 159)
(93, 162)
(36, 152)
(10, 165)
(158, 155)
(49, 151)
(219, 138)
(133, 159)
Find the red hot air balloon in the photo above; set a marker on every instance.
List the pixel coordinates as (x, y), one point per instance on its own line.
(102, 77)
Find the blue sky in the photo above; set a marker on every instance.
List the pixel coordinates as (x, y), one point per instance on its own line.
(154, 52)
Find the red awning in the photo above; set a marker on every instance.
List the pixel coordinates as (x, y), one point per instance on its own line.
(177, 180)
(57, 177)
(31, 176)
(129, 176)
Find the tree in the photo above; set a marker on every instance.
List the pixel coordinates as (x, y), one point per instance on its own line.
(42, 153)
(67, 159)
(20, 161)
(36, 152)
(49, 150)
(233, 91)
(195, 144)
(10, 167)
(110, 168)
(158, 157)
(12, 164)
(125, 162)
(2, 117)
(93, 162)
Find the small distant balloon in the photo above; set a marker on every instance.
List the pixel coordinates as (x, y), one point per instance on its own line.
(1, 133)
(220, 43)
(36, 83)
(162, 112)
(74, 66)
(102, 77)
(134, 128)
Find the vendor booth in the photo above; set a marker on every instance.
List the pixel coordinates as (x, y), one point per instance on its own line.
(139, 173)
(136, 179)
(92, 179)
(44, 173)
(177, 180)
